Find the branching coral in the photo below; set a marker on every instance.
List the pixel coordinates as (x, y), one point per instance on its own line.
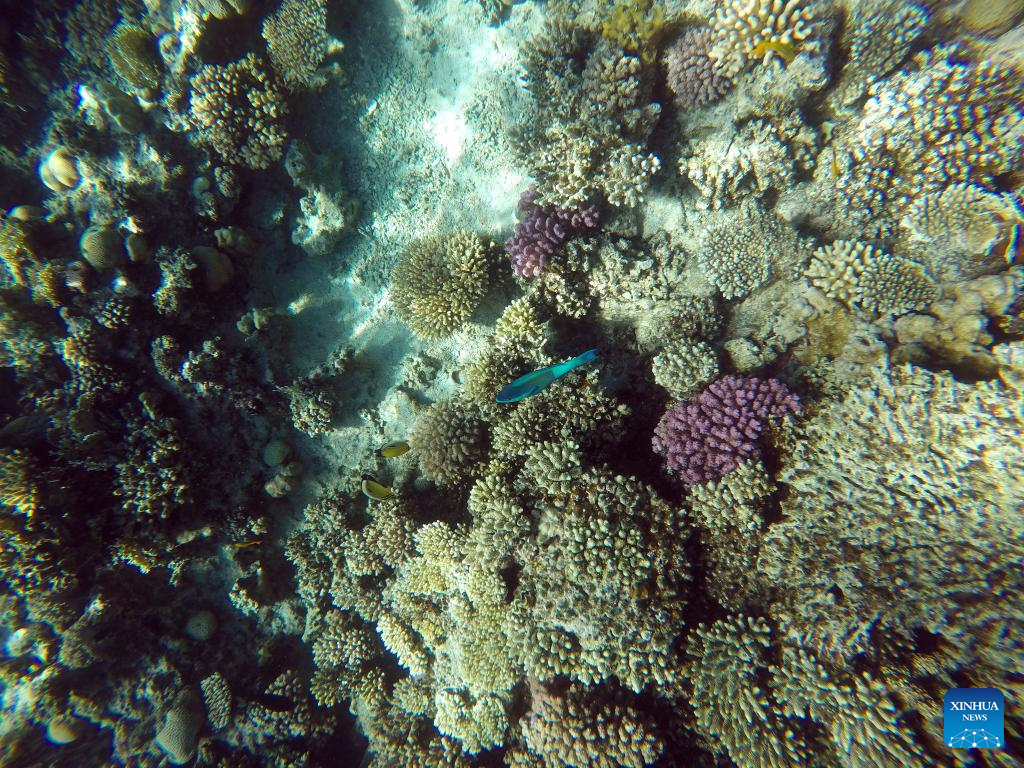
(863, 723)
(878, 41)
(730, 704)
(239, 111)
(694, 78)
(860, 275)
(296, 35)
(902, 507)
(712, 434)
(949, 120)
(449, 438)
(592, 119)
(752, 160)
(588, 727)
(763, 29)
(636, 26)
(438, 282)
(17, 485)
(739, 255)
(684, 367)
(542, 230)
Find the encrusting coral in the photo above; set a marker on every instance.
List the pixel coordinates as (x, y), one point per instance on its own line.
(438, 282)
(903, 498)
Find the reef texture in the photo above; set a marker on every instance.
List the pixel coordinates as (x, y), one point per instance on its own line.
(248, 518)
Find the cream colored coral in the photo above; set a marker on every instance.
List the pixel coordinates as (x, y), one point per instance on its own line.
(239, 111)
(903, 498)
(731, 707)
(761, 29)
(862, 721)
(964, 230)
(296, 35)
(684, 367)
(861, 275)
(438, 282)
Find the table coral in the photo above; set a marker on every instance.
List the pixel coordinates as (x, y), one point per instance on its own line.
(964, 231)
(712, 434)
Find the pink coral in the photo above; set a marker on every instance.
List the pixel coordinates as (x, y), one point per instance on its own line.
(542, 230)
(712, 434)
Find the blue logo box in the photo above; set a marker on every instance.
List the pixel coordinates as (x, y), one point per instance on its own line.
(973, 718)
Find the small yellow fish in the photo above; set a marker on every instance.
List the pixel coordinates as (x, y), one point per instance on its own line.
(785, 51)
(376, 491)
(244, 544)
(394, 449)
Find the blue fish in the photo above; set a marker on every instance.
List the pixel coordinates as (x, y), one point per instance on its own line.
(532, 383)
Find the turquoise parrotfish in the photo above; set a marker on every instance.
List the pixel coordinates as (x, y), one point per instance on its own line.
(532, 383)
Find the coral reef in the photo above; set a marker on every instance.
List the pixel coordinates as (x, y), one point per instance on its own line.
(248, 518)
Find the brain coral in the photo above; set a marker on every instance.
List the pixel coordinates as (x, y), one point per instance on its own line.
(239, 111)
(860, 275)
(712, 434)
(438, 282)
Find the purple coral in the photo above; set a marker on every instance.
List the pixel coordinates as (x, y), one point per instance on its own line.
(710, 435)
(692, 75)
(542, 230)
